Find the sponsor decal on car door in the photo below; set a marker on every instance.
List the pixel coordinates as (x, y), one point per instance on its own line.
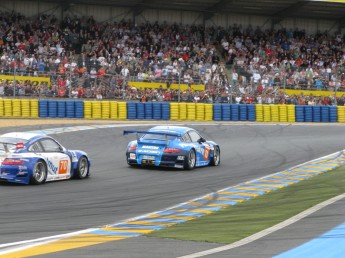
(59, 166)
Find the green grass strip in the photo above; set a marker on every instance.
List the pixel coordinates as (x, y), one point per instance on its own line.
(244, 219)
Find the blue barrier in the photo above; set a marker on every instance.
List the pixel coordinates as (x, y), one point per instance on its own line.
(140, 110)
(79, 108)
(251, 112)
(148, 110)
(157, 110)
(317, 113)
(226, 112)
(324, 114)
(308, 114)
(61, 108)
(43, 108)
(70, 108)
(299, 113)
(333, 114)
(235, 112)
(52, 108)
(243, 112)
(165, 111)
(217, 112)
(131, 110)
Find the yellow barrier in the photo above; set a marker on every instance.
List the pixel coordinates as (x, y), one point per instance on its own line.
(1, 108)
(16, 108)
(313, 92)
(191, 109)
(182, 111)
(25, 107)
(259, 112)
(113, 110)
(200, 111)
(208, 112)
(87, 109)
(291, 113)
(34, 108)
(267, 113)
(96, 109)
(122, 109)
(283, 114)
(7, 107)
(274, 113)
(174, 111)
(105, 109)
(341, 114)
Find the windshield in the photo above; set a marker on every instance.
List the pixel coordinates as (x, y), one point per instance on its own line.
(157, 137)
(9, 143)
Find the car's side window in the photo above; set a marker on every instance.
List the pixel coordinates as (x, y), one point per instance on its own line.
(50, 146)
(194, 136)
(36, 147)
(186, 138)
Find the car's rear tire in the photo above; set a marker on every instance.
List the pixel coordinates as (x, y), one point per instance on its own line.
(190, 160)
(215, 160)
(39, 173)
(82, 168)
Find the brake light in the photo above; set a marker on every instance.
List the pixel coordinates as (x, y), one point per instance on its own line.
(171, 150)
(132, 147)
(19, 145)
(13, 162)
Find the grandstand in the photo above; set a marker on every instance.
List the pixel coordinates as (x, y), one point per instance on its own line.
(212, 51)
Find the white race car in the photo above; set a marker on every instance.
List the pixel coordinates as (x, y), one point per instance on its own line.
(36, 158)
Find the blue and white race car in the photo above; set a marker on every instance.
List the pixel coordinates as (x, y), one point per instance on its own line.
(171, 146)
(36, 158)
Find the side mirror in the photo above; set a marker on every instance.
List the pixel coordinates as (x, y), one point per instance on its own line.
(201, 140)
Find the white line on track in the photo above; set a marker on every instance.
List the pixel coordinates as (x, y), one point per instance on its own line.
(267, 231)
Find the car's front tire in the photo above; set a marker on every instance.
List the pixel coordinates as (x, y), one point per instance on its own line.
(39, 173)
(82, 168)
(215, 160)
(190, 160)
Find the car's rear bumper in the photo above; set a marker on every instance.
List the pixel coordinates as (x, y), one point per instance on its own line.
(170, 160)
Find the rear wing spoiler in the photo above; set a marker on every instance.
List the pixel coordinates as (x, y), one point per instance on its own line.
(126, 132)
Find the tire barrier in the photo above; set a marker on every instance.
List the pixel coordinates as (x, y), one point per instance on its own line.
(149, 110)
(79, 108)
(165, 111)
(251, 112)
(122, 110)
(2, 108)
(34, 108)
(25, 106)
(61, 109)
(226, 112)
(140, 110)
(96, 110)
(157, 110)
(182, 114)
(113, 110)
(174, 111)
(105, 109)
(169, 111)
(341, 114)
(87, 109)
(43, 108)
(259, 112)
(69, 109)
(191, 109)
(208, 112)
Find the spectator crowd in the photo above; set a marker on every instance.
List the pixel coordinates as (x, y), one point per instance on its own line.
(89, 59)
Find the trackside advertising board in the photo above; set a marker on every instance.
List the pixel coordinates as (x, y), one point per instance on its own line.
(36, 81)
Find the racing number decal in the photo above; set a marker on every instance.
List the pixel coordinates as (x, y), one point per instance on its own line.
(206, 153)
(63, 165)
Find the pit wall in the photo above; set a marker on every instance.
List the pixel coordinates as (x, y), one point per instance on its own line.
(25, 108)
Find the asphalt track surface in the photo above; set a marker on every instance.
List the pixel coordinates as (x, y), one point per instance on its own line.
(116, 192)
